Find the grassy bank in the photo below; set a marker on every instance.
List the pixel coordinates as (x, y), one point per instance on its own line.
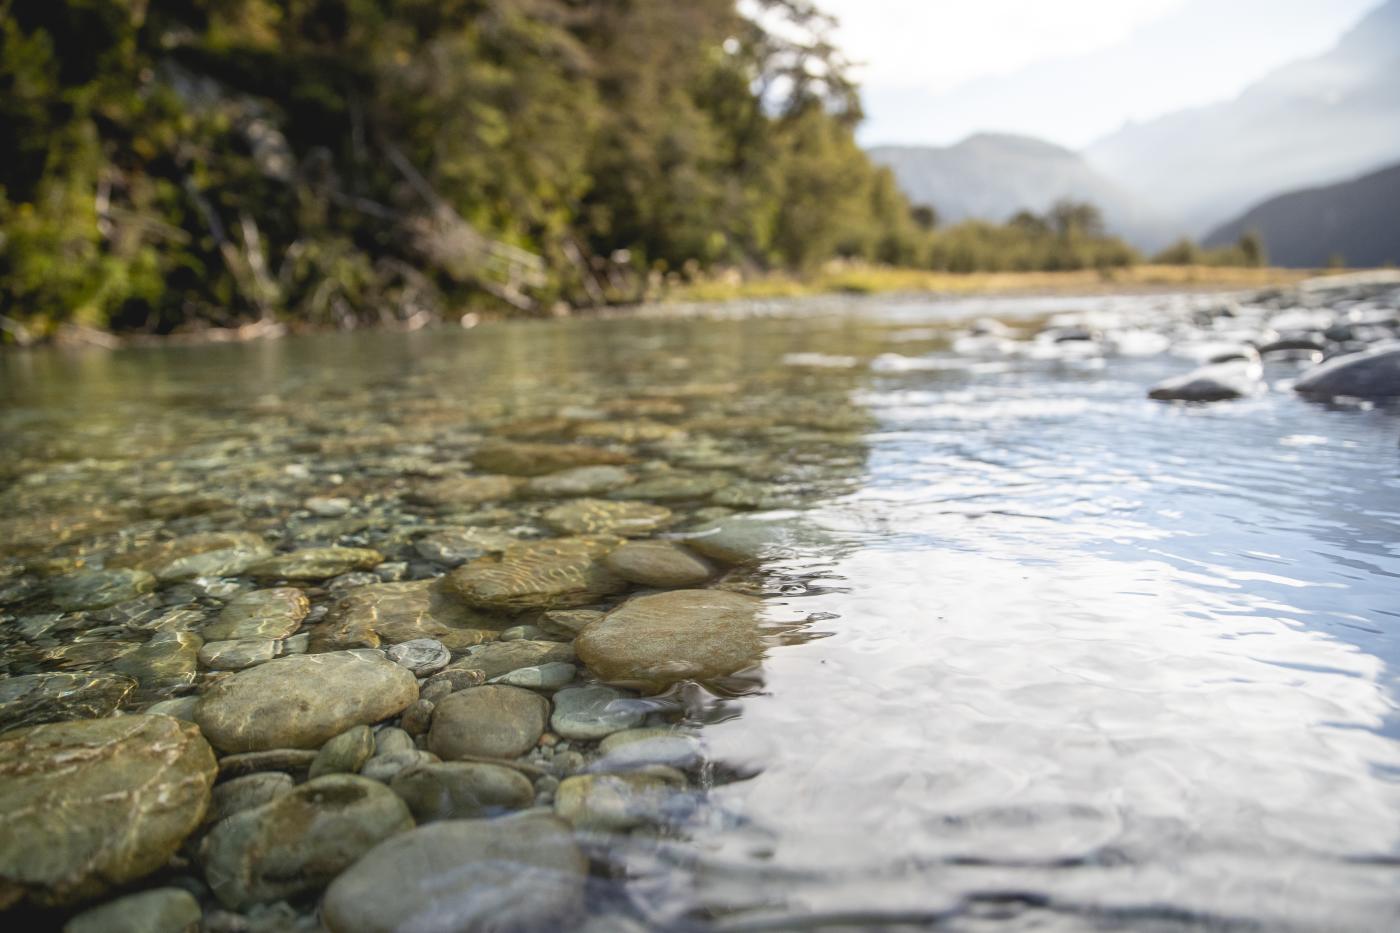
(864, 279)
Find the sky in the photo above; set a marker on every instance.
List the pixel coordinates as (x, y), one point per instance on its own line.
(1069, 71)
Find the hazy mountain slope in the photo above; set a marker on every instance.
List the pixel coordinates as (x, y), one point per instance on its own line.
(1356, 220)
(991, 176)
(1311, 122)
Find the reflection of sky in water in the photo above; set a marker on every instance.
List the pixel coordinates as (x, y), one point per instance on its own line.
(1092, 649)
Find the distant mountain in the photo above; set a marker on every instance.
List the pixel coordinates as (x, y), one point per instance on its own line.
(991, 176)
(1357, 220)
(1308, 123)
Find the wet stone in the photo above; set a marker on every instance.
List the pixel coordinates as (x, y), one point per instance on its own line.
(421, 656)
(384, 768)
(211, 554)
(303, 700)
(390, 740)
(567, 623)
(32, 699)
(515, 873)
(614, 802)
(1373, 373)
(162, 910)
(593, 712)
(392, 613)
(600, 516)
(549, 676)
(237, 654)
(658, 563)
(523, 633)
(320, 563)
(98, 589)
(327, 506)
(344, 754)
(558, 573)
(640, 748)
(450, 681)
(491, 721)
(579, 481)
(539, 459)
(464, 490)
(418, 717)
(169, 659)
(300, 840)
(270, 613)
(1216, 383)
(653, 641)
(453, 547)
(126, 792)
(677, 486)
(178, 707)
(454, 790)
(497, 658)
(288, 760)
(247, 792)
(743, 539)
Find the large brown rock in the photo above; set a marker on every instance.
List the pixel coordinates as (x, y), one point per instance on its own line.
(92, 804)
(303, 701)
(271, 613)
(653, 641)
(549, 574)
(391, 613)
(492, 721)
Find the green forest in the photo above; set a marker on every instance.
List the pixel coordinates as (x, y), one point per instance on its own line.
(334, 162)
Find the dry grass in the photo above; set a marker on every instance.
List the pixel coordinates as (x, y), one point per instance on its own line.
(860, 279)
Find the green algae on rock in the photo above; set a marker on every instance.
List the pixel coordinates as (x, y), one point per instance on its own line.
(126, 792)
(653, 641)
(302, 701)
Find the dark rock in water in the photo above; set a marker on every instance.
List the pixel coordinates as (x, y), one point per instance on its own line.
(98, 589)
(302, 701)
(461, 789)
(493, 721)
(651, 642)
(1291, 345)
(1216, 383)
(164, 910)
(300, 840)
(510, 874)
(33, 699)
(93, 804)
(1373, 373)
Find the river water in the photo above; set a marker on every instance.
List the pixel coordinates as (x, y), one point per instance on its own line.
(1046, 654)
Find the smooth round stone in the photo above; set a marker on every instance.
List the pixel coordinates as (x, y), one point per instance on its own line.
(613, 802)
(497, 658)
(327, 506)
(491, 721)
(344, 754)
(391, 613)
(549, 676)
(209, 554)
(32, 699)
(93, 804)
(745, 539)
(456, 546)
(567, 623)
(658, 563)
(560, 573)
(651, 642)
(299, 841)
(384, 768)
(163, 910)
(302, 701)
(628, 431)
(673, 487)
(290, 760)
(579, 481)
(640, 748)
(452, 790)
(390, 740)
(594, 712)
(417, 719)
(1216, 383)
(601, 516)
(538, 459)
(177, 707)
(317, 563)
(98, 589)
(237, 654)
(516, 873)
(1373, 373)
(247, 792)
(271, 613)
(422, 656)
(464, 490)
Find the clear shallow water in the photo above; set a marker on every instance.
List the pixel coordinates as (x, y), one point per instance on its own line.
(1075, 658)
